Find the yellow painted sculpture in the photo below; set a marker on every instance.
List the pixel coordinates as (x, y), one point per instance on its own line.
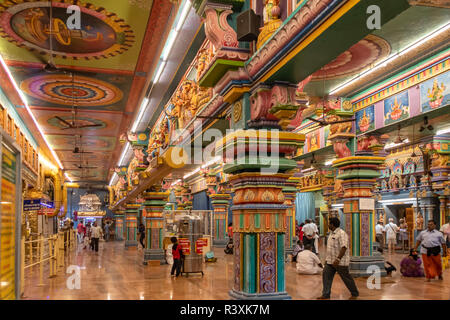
(271, 21)
(439, 160)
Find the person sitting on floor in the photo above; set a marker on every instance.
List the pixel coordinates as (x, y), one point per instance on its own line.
(410, 266)
(308, 262)
(297, 249)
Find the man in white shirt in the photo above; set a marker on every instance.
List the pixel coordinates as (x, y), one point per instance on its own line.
(96, 233)
(379, 234)
(338, 260)
(391, 235)
(308, 262)
(445, 229)
(309, 234)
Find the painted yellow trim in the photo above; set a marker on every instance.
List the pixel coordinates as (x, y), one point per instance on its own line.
(338, 14)
(281, 135)
(358, 158)
(235, 94)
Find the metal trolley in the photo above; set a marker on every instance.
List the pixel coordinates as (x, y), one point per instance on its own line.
(193, 228)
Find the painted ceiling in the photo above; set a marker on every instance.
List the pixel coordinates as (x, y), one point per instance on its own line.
(408, 27)
(102, 69)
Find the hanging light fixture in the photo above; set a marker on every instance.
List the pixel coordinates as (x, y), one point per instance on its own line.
(413, 154)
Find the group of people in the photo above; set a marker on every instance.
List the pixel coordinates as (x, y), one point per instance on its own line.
(90, 235)
(390, 232)
(337, 260)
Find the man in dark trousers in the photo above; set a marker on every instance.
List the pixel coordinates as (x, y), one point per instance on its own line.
(142, 235)
(338, 260)
(96, 233)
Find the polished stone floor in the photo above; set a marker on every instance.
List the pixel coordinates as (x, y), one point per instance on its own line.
(116, 273)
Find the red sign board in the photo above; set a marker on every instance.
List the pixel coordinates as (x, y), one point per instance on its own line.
(185, 245)
(199, 244)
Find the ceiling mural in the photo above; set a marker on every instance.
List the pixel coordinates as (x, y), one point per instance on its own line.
(63, 90)
(107, 121)
(359, 57)
(99, 91)
(90, 77)
(101, 35)
(67, 142)
(68, 157)
(110, 36)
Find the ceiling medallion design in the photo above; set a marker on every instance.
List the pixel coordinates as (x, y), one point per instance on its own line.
(359, 57)
(102, 34)
(59, 89)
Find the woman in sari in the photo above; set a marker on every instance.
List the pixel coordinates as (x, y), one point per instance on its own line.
(411, 265)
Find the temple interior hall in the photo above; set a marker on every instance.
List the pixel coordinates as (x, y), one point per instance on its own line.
(224, 150)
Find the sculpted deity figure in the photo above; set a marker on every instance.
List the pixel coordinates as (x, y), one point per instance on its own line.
(270, 12)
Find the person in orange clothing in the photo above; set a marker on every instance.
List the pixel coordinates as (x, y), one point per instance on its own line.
(431, 241)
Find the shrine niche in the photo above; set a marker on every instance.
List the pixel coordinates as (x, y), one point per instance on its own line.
(402, 172)
(90, 206)
(311, 182)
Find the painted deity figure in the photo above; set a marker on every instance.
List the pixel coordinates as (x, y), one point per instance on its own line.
(435, 94)
(139, 154)
(419, 222)
(204, 58)
(270, 12)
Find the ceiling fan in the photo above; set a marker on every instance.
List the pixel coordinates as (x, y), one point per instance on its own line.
(84, 167)
(78, 149)
(72, 124)
(399, 138)
(49, 65)
(324, 122)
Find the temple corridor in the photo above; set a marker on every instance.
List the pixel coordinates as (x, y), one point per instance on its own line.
(116, 273)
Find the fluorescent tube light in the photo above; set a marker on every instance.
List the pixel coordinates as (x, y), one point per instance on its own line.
(394, 145)
(397, 200)
(111, 182)
(184, 13)
(159, 72)
(142, 109)
(169, 44)
(24, 100)
(67, 176)
(383, 63)
(124, 152)
(443, 131)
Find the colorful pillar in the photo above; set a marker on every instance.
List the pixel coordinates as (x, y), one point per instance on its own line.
(131, 213)
(220, 202)
(258, 164)
(154, 204)
(358, 174)
(119, 216)
(440, 170)
(290, 192)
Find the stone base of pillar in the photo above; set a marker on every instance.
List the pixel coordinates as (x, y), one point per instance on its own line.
(358, 265)
(155, 255)
(239, 295)
(130, 243)
(220, 243)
